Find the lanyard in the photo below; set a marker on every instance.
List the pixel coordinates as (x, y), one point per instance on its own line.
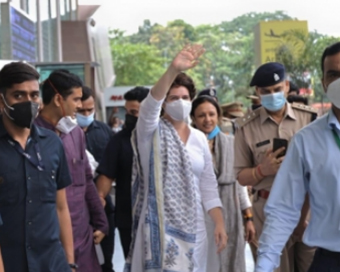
(38, 164)
(336, 137)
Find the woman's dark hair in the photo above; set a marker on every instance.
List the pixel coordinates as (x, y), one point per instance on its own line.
(202, 99)
(184, 80)
(63, 81)
(16, 73)
(329, 51)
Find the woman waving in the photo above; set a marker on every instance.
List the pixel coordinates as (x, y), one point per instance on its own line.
(174, 184)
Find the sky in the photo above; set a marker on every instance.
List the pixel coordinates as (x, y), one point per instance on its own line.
(129, 14)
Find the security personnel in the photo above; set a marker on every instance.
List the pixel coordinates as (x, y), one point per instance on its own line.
(311, 165)
(255, 162)
(37, 233)
(255, 102)
(209, 92)
(231, 111)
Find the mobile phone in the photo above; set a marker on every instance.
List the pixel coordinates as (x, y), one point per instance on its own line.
(278, 143)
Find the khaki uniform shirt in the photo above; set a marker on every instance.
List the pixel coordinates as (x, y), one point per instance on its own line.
(255, 133)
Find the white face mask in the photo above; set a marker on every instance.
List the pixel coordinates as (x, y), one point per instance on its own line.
(178, 110)
(66, 124)
(333, 93)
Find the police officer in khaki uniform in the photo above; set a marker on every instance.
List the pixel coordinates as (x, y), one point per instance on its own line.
(231, 111)
(255, 162)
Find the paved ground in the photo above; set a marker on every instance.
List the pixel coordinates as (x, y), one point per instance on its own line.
(118, 259)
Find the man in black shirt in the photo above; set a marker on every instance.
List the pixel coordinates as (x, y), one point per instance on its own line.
(36, 234)
(97, 136)
(116, 165)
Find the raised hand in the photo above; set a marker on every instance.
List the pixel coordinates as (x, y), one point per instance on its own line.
(188, 57)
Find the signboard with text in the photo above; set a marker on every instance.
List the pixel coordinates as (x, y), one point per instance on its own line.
(269, 35)
(18, 33)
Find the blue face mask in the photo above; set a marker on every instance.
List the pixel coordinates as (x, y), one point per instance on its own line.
(273, 102)
(85, 121)
(214, 133)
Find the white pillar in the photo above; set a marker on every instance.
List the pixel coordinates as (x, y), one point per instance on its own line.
(40, 46)
(58, 33)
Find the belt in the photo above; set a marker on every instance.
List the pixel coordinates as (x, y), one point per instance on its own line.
(329, 253)
(263, 193)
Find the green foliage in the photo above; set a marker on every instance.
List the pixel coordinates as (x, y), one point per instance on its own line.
(135, 64)
(301, 54)
(228, 63)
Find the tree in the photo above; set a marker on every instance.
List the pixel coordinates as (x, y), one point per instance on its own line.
(301, 53)
(228, 63)
(135, 64)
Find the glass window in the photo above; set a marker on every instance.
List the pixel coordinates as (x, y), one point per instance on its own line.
(53, 8)
(32, 9)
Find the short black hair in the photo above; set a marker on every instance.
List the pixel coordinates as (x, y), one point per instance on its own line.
(138, 93)
(297, 99)
(87, 92)
(16, 73)
(293, 88)
(329, 51)
(63, 81)
(202, 99)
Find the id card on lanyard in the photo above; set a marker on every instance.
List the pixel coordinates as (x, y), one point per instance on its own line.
(336, 137)
(35, 162)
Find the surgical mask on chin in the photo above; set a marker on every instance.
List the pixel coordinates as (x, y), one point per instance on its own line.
(273, 102)
(66, 124)
(333, 93)
(178, 110)
(22, 114)
(85, 121)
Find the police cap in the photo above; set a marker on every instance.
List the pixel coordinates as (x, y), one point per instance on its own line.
(268, 74)
(209, 92)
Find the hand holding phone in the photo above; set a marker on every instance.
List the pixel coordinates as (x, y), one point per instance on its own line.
(278, 143)
(274, 157)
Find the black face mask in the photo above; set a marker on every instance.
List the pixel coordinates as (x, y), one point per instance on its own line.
(22, 114)
(130, 121)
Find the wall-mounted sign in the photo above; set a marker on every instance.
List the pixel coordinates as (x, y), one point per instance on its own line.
(269, 35)
(18, 34)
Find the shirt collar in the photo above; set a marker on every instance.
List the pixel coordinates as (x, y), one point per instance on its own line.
(333, 121)
(93, 125)
(35, 131)
(289, 113)
(42, 122)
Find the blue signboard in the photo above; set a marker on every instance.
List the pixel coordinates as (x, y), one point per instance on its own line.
(23, 36)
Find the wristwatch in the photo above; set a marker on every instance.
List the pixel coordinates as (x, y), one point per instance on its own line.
(248, 217)
(73, 266)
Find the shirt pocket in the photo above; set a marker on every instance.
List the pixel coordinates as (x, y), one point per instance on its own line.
(9, 188)
(78, 170)
(48, 185)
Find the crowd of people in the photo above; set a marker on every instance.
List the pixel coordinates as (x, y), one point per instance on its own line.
(195, 180)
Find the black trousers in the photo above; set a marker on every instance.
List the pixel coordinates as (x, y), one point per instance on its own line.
(325, 261)
(108, 244)
(125, 239)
